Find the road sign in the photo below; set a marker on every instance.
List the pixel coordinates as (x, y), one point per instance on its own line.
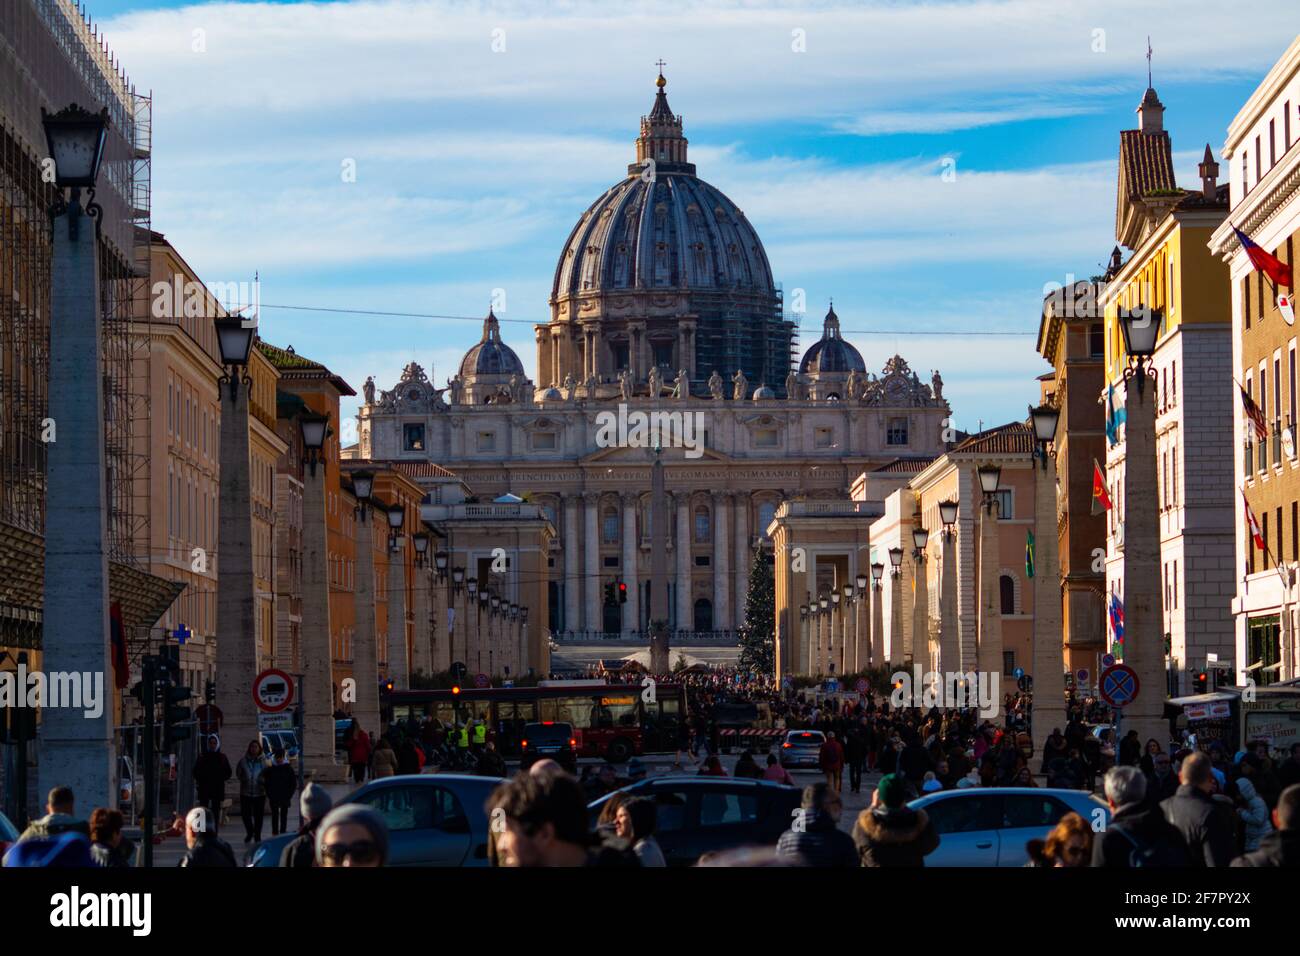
(482, 680)
(458, 670)
(832, 686)
(182, 634)
(1119, 685)
(1081, 675)
(862, 686)
(1211, 658)
(267, 722)
(1018, 673)
(272, 691)
(209, 717)
(1107, 660)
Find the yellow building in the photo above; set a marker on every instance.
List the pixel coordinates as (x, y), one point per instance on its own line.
(1172, 272)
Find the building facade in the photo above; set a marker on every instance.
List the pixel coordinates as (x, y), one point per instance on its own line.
(1264, 179)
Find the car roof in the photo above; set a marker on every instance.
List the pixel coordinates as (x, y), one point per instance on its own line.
(1061, 792)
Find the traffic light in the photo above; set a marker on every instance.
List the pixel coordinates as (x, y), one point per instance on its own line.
(609, 592)
(387, 686)
(169, 660)
(1201, 682)
(175, 713)
(455, 690)
(209, 691)
(622, 592)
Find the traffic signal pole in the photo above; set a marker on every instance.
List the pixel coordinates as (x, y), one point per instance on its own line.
(148, 685)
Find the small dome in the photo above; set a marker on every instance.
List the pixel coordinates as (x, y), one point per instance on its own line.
(763, 393)
(831, 353)
(491, 356)
(551, 394)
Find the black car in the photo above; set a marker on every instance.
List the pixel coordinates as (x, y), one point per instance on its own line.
(706, 815)
(548, 739)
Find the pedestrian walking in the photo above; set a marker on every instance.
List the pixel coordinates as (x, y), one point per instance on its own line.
(1253, 812)
(352, 835)
(60, 817)
(1138, 834)
(1206, 825)
(889, 833)
(1282, 846)
(313, 806)
(383, 761)
(776, 772)
(814, 837)
(108, 848)
(211, 771)
(358, 747)
(634, 822)
(830, 758)
(279, 780)
(252, 798)
(203, 848)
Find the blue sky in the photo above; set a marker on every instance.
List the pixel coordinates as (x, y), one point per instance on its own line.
(481, 132)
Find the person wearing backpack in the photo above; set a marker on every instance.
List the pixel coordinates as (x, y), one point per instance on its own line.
(1138, 834)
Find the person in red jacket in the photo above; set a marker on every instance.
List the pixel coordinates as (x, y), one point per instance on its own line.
(358, 752)
(831, 760)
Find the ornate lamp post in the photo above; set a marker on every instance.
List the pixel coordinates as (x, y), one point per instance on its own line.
(861, 630)
(837, 631)
(949, 626)
(897, 647)
(398, 662)
(823, 633)
(421, 596)
(989, 649)
(848, 648)
(74, 750)
(803, 635)
(878, 615)
(1048, 647)
(920, 597)
(365, 647)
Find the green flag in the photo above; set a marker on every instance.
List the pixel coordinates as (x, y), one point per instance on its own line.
(1029, 554)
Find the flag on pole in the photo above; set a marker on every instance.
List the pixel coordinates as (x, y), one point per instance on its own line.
(1100, 499)
(1254, 413)
(1117, 618)
(1029, 553)
(1265, 261)
(117, 636)
(1253, 525)
(1113, 418)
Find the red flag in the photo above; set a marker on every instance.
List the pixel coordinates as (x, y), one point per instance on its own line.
(1254, 413)
(1253, 525)
(1099, 495)
(121, 667)
(1265, 261)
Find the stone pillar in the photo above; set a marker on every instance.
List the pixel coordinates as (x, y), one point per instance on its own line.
(572, 574)
(819, 655)
(1143, 599)
(314, 649)
(76, 750)
(685, 621)
(1049, 654)
(878, 659)
(920, 613)
(421, 638)
(989, 651)
(236, 601)
(721, 569)
(459, 631)
(949, 627)
(398, 661)
(591, 555)
(851, 634)
(743, 556)
(365, 646)
(631, 548)
(897, 649)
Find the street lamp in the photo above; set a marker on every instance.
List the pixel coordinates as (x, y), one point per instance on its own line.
(1045, 419)
(471, 585)
(861, 582)
(235, 342)
(877, 572)
(835, 599)
(948, 515)
(420, 541)
(496, 604)
(803, 612)
(75, 137)
(896, 559)
(824, 603)
(315, 429)
(396, 517)
(457, 578)
(523, 614)
(920, 538)
(1140, 328)
(440, 564)
(990, 477)
(848, 594)
(514, 610)
(363, 483)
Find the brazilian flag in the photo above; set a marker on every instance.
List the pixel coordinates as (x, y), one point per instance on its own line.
(1029, 554)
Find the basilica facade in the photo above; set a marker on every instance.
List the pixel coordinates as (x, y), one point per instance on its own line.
(663, 310)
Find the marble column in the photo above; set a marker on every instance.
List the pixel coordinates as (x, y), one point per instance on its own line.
(315, 653)
(949, 627)
(572, 573)
(897, 649)
(1143, 599)
(851, 635)
(421, 638)
(365, 648)
(878, 659)
(722, 566)
(743, 556)
(398, 661)
(989, 651)
(921, 613)
(630, 576)
(1048, 650)
(591, 555)
(685, 620)
(439, 636)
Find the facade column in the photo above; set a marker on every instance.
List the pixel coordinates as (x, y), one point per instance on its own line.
(76, 750)
(685, 620)
(989, 651)
(743, 556)
(421, 637)
(591, 555)
(1143, 600)
(398, 661)
(439, 633)
(572, 574)
(630, 575)
(315, 652)
(858, 652)
(460, 627)
(897, 649)
(1048, 651)
(878, 625)
(365, 646)
(721, 569)
(920, 612)
(819, 659)
(949, 628)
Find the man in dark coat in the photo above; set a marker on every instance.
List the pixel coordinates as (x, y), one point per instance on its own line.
(815, 838)
(855, 754)
(203, 847)
(1207, 826)
(211, 771)
(313, 806)
(1138, 834)
(1282, 846)
(1162, 782)
(890, 834)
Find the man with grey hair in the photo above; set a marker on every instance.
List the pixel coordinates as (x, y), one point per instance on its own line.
(1138, 835)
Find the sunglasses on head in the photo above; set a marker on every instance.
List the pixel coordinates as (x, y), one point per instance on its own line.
(363, 851)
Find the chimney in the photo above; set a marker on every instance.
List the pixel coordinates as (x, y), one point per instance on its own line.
(1209, 171)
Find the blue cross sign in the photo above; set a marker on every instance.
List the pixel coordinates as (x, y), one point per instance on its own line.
(182, 634)
(1119, 685)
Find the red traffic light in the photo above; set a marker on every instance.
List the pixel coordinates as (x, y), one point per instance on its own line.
(455, 689)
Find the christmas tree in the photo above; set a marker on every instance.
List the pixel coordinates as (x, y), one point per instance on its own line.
(758, 636)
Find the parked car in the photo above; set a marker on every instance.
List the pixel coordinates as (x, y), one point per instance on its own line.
(8, 834)
(548, 739)
(433, 820)
(989, 826)
(802, 748)
(699, 815)
(285, 739)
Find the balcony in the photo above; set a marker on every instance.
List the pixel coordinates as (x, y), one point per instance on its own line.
(817, 509)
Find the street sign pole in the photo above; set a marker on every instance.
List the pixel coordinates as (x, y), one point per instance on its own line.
(300, 720)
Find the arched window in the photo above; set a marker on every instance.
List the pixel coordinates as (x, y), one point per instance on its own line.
(766, 511)
(702, 524)
(703, 615)
(1007, 590)
(609, 526)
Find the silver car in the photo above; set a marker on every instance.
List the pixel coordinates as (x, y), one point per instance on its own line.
(989, 826)
(802, 748)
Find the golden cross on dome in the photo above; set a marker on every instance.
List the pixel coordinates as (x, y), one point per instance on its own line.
(661, 64)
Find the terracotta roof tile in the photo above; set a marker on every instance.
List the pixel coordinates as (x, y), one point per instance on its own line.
(1014, 438)
(905, 466)
(1147, 161)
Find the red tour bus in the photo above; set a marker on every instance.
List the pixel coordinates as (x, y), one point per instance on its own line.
(613, 721)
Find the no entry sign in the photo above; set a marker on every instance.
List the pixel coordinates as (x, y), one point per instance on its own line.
(1119, 685)
(272, 691)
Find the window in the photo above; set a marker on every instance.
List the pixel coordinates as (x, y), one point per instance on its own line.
(1008, 663)
(1096, 341)
(487, 441)
(611, 560)
(766, 512)
(722, 809)
(1259, 161)
(1272, 144)
(544, 441)
(1003, 497)
(609, 526)
(702, 561)
(1295, 531)
(1290, 372)
(1286, 125)
(1245, 182)
(701, 524)
(1173, 382)
(1022, 811)
(896, 434)
(171, 425)
(824, 438)
(671, 807)
(1007, 594)
(765, 438)
(413, 437)
(1245, 298)
(1264, 535)
(967, 815)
